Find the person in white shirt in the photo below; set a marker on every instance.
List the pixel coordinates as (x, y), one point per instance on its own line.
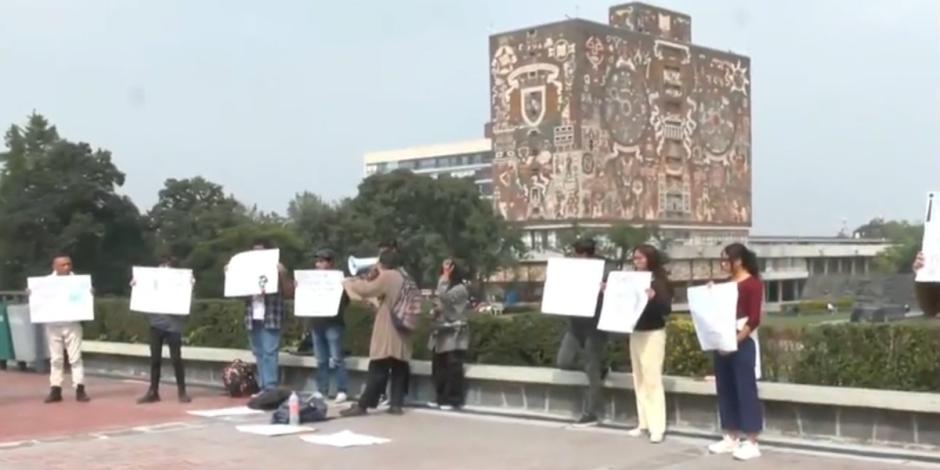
(65, 339)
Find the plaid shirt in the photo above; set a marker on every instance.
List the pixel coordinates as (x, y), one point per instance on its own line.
(273, 312)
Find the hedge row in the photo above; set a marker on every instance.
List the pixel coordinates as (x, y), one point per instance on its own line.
(899, 356)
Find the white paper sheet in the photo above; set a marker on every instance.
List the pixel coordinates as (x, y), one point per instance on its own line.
(344, 439)
(625, 298)
(222, 412)
(572, 286)
(931, 244)
(250, 272)
(60, 299)
(272, 430)
(714, 310)
(318, 293)
(162, 290)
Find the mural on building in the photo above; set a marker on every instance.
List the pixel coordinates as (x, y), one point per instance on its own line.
(603, 123)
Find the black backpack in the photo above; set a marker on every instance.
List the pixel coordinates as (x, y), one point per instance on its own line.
(239, 379)
(312, 410)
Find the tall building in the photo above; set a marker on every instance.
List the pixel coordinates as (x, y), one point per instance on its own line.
(597, 124)
(469, 159)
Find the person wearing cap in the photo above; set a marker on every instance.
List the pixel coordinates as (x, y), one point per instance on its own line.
(327, 334)
(583, 340)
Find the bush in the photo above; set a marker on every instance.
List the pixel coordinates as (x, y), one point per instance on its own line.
(893, 356)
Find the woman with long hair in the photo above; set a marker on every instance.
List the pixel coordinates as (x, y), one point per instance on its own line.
(648, 347)
(735, 376)
(450, 336)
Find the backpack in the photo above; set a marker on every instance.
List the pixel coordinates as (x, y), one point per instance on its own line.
(239, 379)
(312, 410)
(407, 308)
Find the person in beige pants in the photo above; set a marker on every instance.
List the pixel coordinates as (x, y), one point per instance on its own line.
(65, 339)
(648, 347)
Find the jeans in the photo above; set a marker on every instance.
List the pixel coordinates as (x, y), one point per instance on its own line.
(738, 404)
(447, 372)
(328, 344)
(381, 372)
(265, 344)
(174, 342)
(591, 347)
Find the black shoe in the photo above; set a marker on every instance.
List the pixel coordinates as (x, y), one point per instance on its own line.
(183, 397)
(353, 411)
(396, 410)
(605, 373)
(586, 421)
(152, 396)
(80, 394)
(55, 395)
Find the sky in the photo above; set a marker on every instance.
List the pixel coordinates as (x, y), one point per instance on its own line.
(271, 99)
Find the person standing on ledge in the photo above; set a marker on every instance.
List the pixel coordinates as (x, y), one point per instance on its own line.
(65, 338)
(739, 406)
(165, 329)
(928, 293)
(584, 340)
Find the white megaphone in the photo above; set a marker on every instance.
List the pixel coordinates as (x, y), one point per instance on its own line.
(357, 265)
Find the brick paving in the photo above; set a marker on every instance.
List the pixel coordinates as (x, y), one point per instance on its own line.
(100, 438)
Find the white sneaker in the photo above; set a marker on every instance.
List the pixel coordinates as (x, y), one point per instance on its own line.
(656, 439)
(317, 396)
(747, 450)
(727, 445)
(433, 405)
(447, 408)
(636, 432)
(340, 398)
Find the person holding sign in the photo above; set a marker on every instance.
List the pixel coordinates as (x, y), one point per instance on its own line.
(165, 328)
(450, 337)
(327, 334)
(648, 347)
(65, 338)
(928, 293)
(583, 339)
(735, 376)
(264, 314)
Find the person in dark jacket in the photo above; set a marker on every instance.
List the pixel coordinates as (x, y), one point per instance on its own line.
(165, 329)
(327, 336)
(450, 337)
(583, 340)
(648, 347)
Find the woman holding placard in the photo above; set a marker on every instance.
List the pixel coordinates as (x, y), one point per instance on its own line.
(648, 347)
(735, 375)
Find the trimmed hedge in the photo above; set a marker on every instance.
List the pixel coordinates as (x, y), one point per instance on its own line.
(898, 356)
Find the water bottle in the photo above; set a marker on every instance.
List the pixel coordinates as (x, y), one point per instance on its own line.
(293, 409)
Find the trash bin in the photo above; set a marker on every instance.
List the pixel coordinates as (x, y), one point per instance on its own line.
(29, 341)
(6, 341)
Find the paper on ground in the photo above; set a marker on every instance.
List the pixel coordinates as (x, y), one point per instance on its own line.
(714, 313)
(625, 298)
(273, 429)
(60, 299)
(931, 243)
(318, 294)
(345, 438)
(251, 272)
(162, 290)
(572, 286)
(220, 412)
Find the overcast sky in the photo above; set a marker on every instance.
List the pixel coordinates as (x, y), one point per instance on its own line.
(273, 98)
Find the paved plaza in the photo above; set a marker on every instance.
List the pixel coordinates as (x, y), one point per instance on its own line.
(112, 432)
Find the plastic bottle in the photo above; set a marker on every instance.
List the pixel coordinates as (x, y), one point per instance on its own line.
(293, 408)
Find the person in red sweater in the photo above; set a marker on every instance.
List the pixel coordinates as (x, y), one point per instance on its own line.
(735, 376)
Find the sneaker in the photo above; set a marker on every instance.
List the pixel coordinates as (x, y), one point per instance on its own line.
(447, 408)
(433, 404)
(80, 394)
(727, 445)
(585, 421)
(636, 432)
(150, 397)
(396, 410)
(656, 439)
(353, 411)
(747, 450)
(55, 395)
(183, 397)
(341, 398)
(384, 401)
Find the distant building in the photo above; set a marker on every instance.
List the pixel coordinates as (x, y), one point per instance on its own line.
(469, 159)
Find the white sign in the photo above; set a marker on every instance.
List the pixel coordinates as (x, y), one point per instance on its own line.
(252, 273)
(572, 286)
(318, 293)
(226, 412)
(625, 298)
(60, 299)
(714, 310)
(162, 290)
(273, 430)
(344, 439)
(931, 244)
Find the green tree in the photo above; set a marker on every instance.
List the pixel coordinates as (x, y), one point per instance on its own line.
(625, 237)
(905, 238)
(60, 196)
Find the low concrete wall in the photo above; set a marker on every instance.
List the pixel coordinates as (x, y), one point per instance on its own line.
(901, 420)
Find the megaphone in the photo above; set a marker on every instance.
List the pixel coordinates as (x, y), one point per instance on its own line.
(357, 265)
